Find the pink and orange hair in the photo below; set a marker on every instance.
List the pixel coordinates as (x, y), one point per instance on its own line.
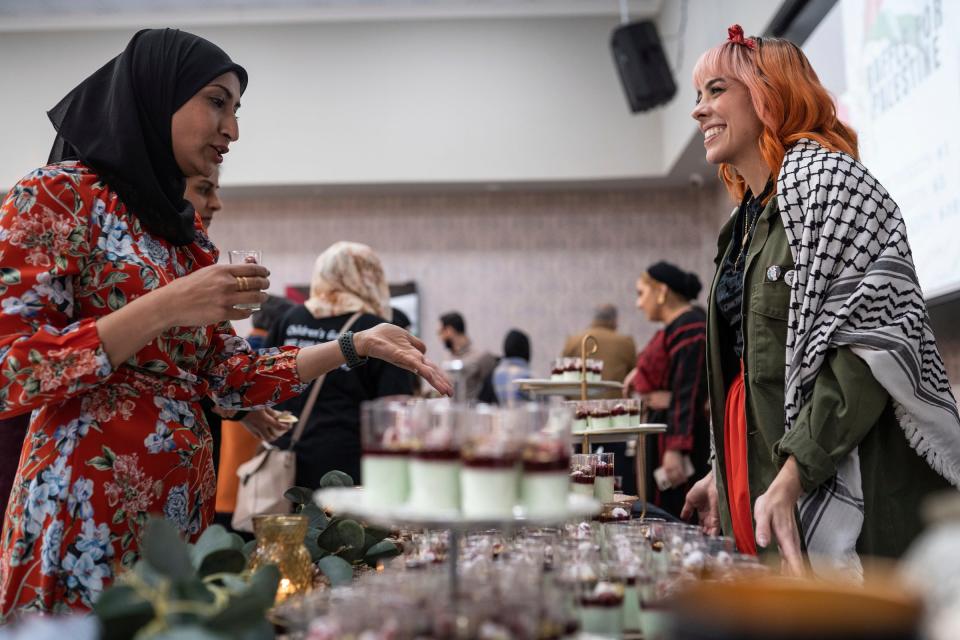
(786, 94)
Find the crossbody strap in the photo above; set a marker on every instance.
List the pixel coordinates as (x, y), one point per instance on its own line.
(315, 391)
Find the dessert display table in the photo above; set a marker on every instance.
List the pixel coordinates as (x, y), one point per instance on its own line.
(568, 389)
(349, 501)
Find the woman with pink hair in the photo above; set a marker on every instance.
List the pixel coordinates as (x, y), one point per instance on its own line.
(832, 414)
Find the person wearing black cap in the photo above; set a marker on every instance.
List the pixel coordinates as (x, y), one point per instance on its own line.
(114, 323)
(671, 378)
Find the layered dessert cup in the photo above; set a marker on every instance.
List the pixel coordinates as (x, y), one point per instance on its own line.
(603, 486)
(386, 436)
(620, 416)
(435, 459)
(488, 484)
(545, 480)
(435, 480)
(572, 369)
(600, 416)
(582, 474)
(581, 418)
(601, 609)
(594, 370)
(633, 410)
(385, 480)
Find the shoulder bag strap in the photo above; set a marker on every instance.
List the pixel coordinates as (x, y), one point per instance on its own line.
(315, 391)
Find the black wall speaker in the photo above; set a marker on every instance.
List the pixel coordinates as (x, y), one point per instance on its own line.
(642, 65)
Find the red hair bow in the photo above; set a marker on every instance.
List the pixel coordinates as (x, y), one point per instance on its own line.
(735, 34)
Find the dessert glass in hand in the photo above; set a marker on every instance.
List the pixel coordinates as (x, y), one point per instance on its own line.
(245, 256)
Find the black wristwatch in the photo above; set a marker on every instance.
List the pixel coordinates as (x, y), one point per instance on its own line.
(349, 350)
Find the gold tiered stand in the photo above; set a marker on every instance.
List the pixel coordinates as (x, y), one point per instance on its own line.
(583, 390)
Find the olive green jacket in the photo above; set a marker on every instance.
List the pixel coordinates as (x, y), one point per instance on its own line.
(847, 408)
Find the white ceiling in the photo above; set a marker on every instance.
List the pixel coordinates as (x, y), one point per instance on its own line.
(34, 15)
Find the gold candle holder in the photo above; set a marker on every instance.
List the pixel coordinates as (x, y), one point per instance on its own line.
(280, 543)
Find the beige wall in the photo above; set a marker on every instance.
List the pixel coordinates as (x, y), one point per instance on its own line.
(538, 261)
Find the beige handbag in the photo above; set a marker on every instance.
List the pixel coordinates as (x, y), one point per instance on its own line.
(265, 477)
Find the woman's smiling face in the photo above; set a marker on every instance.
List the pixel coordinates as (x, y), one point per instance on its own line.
(727, 120)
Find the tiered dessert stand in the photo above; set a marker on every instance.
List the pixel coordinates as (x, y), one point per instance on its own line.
(349, 501)
(585, 390)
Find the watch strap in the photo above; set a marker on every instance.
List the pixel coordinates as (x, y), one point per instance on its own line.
(349, 351)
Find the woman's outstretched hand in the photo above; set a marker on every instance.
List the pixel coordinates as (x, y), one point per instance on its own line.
(774, 515)
(702, 500)
(392, 344)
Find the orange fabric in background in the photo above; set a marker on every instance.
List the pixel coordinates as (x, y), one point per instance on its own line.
(735, 461)
(237, 445)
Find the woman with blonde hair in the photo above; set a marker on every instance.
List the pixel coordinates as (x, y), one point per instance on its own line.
(832, 414)
(348, 283)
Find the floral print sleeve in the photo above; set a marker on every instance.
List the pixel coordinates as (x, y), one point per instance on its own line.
(46, 354)
(241, 378)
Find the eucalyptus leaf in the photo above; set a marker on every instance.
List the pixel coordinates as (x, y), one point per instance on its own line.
(330, 539)
(338, 570)
(223, 561)
(299, 495)
(310, 542)
(263, 584)
(318, 519)
(381, 551)
(165, 551)
(192, 590)
(248, 548)
(335, 479)
(122, 612)
(351, 533)
(234, 583)
(214, 538)
(373, 535)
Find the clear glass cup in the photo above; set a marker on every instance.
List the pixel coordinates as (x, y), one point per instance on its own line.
(490, 455)
(245, 256)
(386, 436)
(583, 473)
(545, 479)
(603, 486)
(435, 456)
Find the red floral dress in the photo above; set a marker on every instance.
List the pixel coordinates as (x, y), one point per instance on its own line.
(106, 446)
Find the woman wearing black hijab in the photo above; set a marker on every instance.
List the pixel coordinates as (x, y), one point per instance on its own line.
(114, 323)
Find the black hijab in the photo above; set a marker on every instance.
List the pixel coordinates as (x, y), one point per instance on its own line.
(117, 121)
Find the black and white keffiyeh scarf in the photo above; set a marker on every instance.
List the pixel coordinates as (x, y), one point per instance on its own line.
(855, 285)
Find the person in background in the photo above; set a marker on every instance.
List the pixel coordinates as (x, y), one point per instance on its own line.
(670, 377)
(244, 431)
(477, 365)
(832, 413)
(514, 365)
(348, 278)
(203, 192)
(617, 351)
